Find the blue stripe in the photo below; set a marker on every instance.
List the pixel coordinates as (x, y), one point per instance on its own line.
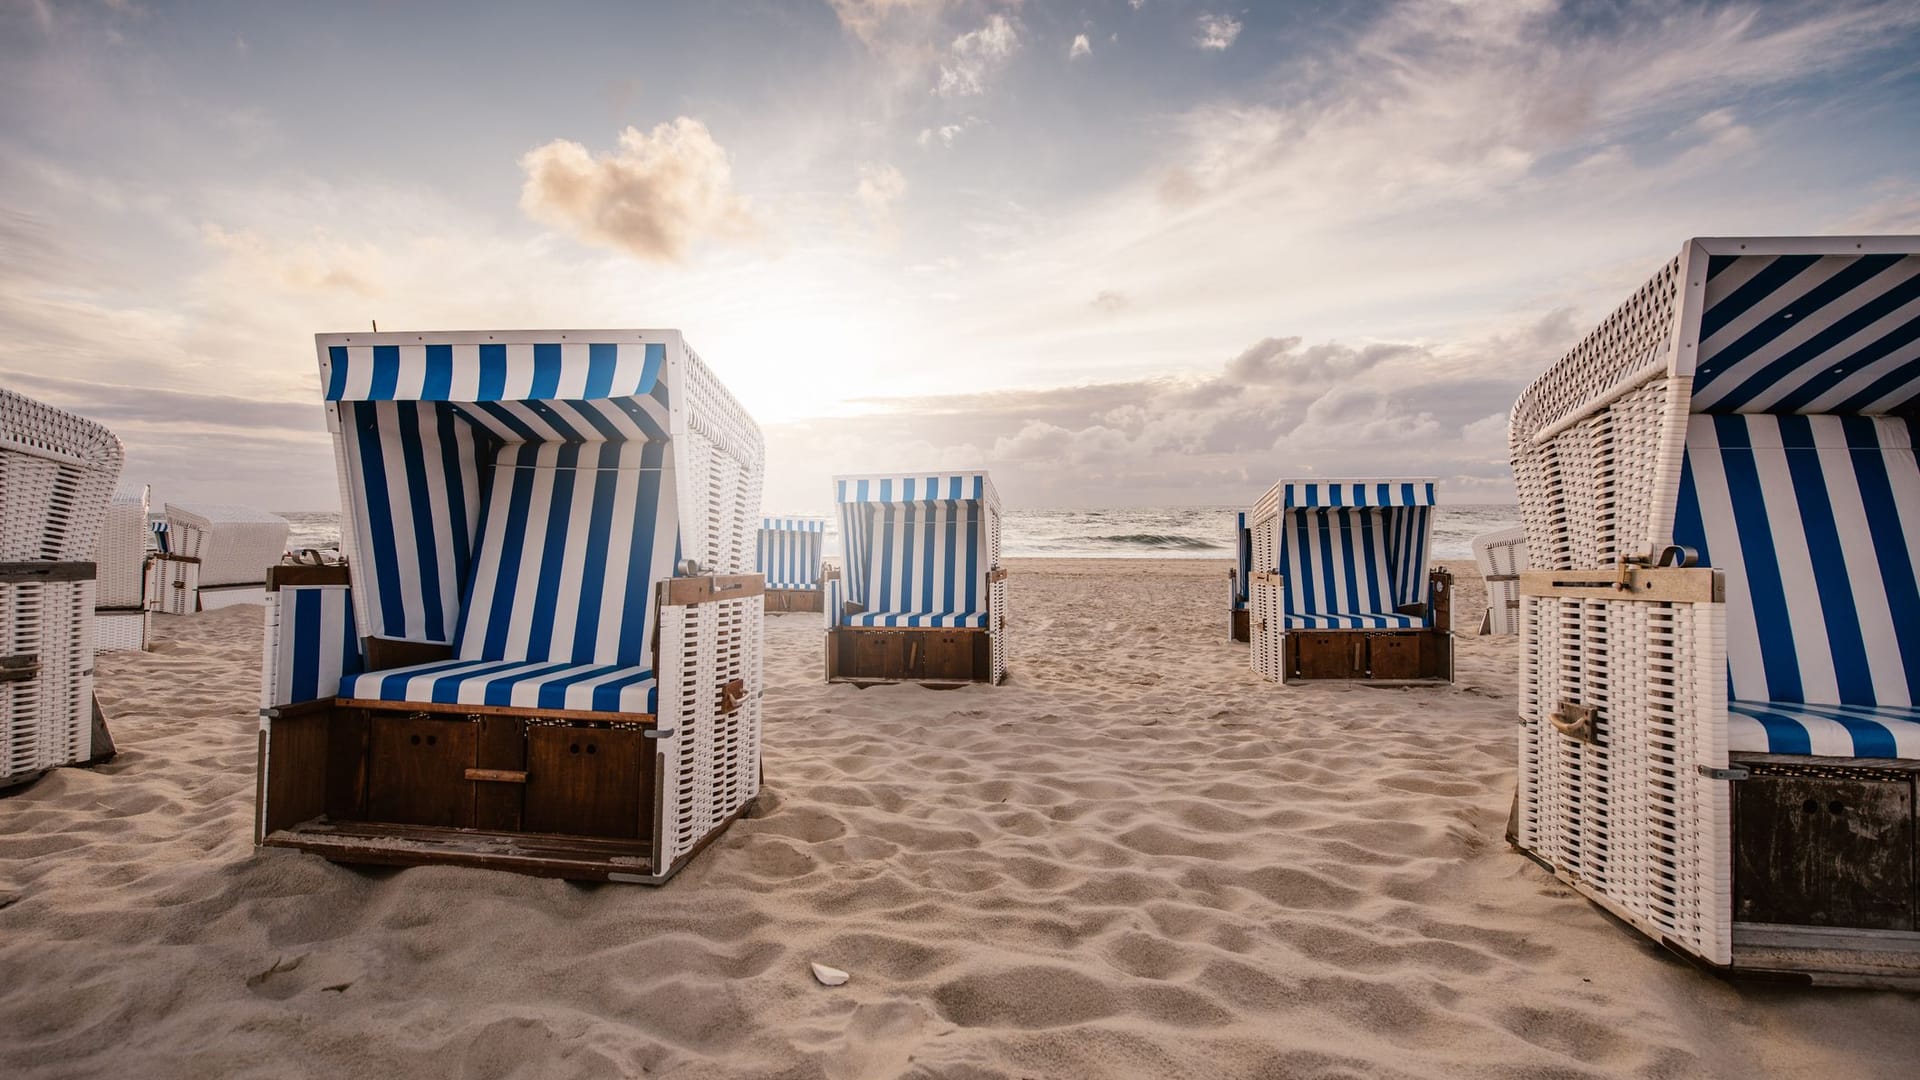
(386, 373)
(640, 549)
(1781, 660)
(546, 373)
(1849, 648)
(336, 372)
(306, 651)
(1893, 548)
(601, 361)
(454, 469)
(1856, 274)
(506, 581)
(425, 545)
(1367, 542)
(373, 474)
(1763, 284)
(438, 385)
(546, 597)
(606, 696)
(650, 374)
(1895, 391)
(493, 373)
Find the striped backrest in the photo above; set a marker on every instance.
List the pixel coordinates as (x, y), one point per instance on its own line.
(1809, 333)
(317, 644)
(425, 470)
(788, 551)
(1337, 560)
(1243, 558)
(571, 539)
(1816, 522)
(925, 557)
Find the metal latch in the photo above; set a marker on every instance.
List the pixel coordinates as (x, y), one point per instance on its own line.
(732, 694)
(19, 667)
(1731, 772)
(1575, 721)
(657, 733)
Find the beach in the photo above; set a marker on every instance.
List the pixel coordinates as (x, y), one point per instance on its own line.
(1134, 859)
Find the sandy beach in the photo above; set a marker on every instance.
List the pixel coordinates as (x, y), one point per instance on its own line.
(1135, 859)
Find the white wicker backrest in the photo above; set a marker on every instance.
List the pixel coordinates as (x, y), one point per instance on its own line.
(57, 472)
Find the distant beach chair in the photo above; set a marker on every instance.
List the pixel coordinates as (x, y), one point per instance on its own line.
(1237, 578)
(57, 473)
(216, 556)
(788, 555)
(120, 618)
(544, 654)
(1501, 555)
(1341, 588)
(1720, 654)
(921, 596)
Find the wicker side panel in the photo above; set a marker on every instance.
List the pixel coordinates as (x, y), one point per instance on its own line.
(1639, 333)
(1265, 615)
(997, 619)
(173, 586)
(47, 720)
(121, 549)
(712, 761)
(1629, 816)
(57, 473)
(120, 631)
(723, 457)
(1601, 489)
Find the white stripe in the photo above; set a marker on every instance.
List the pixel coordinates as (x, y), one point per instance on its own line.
(1805, 328)
(1769, 306)
(466, 373)
(1723, 543)
(1805, 614)
(576, 358)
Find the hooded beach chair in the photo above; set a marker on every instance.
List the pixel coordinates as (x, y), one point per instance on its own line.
(215, 556)
(120, 618)
(1341, 588)
(57, 473)
(544, 654)
(788, 556)
(922, 596)
(1720, 646)
(1501, 556)
(1237, 578)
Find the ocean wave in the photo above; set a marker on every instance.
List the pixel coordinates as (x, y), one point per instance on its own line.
(1173, 541)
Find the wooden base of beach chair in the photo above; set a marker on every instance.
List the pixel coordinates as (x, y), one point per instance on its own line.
(1239, 631)
(931, 656)
(1371, 655)
(1826, 872)
(548, 792)
(783, 600)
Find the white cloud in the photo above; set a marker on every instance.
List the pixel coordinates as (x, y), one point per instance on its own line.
(1216, 31)
(880, 187)
(976, 56)
(1080, 47)
(945, 135)
(654, 197)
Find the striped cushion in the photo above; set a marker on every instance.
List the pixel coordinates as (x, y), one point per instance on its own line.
(788, 552)
(927, 559)
(522, 684)
(572, 539)
(317, 643)
(1355, 620)
(917, 618)
(1785, 727)
(1353, 564)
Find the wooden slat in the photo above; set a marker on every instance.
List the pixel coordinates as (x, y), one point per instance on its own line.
(576, 857)
(498, 776)
(702, 590)
(46, 571)
(1671, 585)
(286, 575)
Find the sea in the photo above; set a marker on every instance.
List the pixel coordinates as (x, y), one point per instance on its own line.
(1166, 532)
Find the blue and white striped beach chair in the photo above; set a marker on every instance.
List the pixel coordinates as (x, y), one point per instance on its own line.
(546, 654)
(922, 597)
(1721, 646)
(788, 555)
(1341, 588)
(1237, 578)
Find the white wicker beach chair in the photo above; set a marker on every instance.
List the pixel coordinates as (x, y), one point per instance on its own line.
(57, 473)
(120, 618)
(230, 548)
(922, 597)
(1501, 555)
(788, 554)
(1721, 644)
(1237, 578)
(1341, 588)
(545, 655)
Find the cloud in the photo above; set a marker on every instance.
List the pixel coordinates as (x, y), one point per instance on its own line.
(1110, 301)
(1216, 31)
(880, 187)
(878, 23)
(976, 56)
(1080, 47)
(654, 197)
(945, 135)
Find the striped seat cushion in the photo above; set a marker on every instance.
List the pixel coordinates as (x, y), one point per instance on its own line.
(1786, 727)
(1355, 620)
(526, 684)
(1816, 522)
(1348, 568)
(916, 618)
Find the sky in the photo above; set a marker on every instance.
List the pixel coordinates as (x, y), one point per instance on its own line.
(1120, 252)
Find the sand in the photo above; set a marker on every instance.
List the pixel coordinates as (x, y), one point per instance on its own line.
(1134, 859)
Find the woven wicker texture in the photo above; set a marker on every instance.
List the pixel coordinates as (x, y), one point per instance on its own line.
(121, 551)
(57, 472)
(235, 544)
(1501, 556)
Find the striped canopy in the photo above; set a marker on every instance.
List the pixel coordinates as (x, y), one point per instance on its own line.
(919, 487)
(1810, 333)
(1385, 492)
(918, 547)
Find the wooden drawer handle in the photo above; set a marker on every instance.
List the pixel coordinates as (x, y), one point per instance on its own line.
(498, 776)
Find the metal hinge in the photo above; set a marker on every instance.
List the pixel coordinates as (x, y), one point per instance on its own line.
(1731, 772)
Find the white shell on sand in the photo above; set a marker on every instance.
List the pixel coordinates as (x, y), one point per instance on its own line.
(829, 976)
